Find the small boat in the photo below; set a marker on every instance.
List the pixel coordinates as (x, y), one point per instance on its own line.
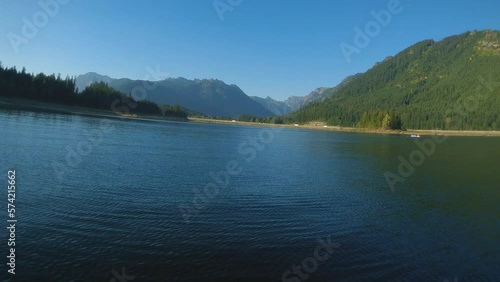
(415, 136)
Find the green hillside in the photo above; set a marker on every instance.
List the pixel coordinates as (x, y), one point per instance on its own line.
(451, 84)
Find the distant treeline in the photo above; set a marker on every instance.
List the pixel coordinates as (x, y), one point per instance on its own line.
(369, 120)
(54, 89)
(250, 118)
(380, 120)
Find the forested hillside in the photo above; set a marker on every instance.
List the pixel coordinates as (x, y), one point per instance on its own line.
(451, 84)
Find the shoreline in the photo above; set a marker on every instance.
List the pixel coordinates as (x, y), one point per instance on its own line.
(21, 104)
(421, 132)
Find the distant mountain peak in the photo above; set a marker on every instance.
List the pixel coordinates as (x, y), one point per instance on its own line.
(91, 77)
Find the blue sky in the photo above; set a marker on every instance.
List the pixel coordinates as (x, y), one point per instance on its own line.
(268, 48)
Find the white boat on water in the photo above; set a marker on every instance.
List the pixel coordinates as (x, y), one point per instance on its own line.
(415, 136)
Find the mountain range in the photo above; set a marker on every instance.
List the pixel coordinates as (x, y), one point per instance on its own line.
(211, 97)
(291, 104)
(294, 103)
(448, 84)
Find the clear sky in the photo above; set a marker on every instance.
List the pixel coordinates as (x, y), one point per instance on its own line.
(268, 48)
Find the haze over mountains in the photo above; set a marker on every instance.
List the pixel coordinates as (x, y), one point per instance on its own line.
(294, 103)
(291, 104)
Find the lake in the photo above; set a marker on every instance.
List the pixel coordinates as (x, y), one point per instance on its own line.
(126, 200)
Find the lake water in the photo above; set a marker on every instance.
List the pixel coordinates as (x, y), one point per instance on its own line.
(113, 209)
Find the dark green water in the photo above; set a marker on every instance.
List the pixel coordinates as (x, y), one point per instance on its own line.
(116, 205)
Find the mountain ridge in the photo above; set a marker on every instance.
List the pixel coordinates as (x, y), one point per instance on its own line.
(294, 103)
(211, 97)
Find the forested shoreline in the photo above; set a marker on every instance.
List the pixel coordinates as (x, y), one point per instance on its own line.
(54, 89)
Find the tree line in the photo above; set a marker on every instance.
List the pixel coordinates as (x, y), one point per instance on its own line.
(55, 89)
(251, 118)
